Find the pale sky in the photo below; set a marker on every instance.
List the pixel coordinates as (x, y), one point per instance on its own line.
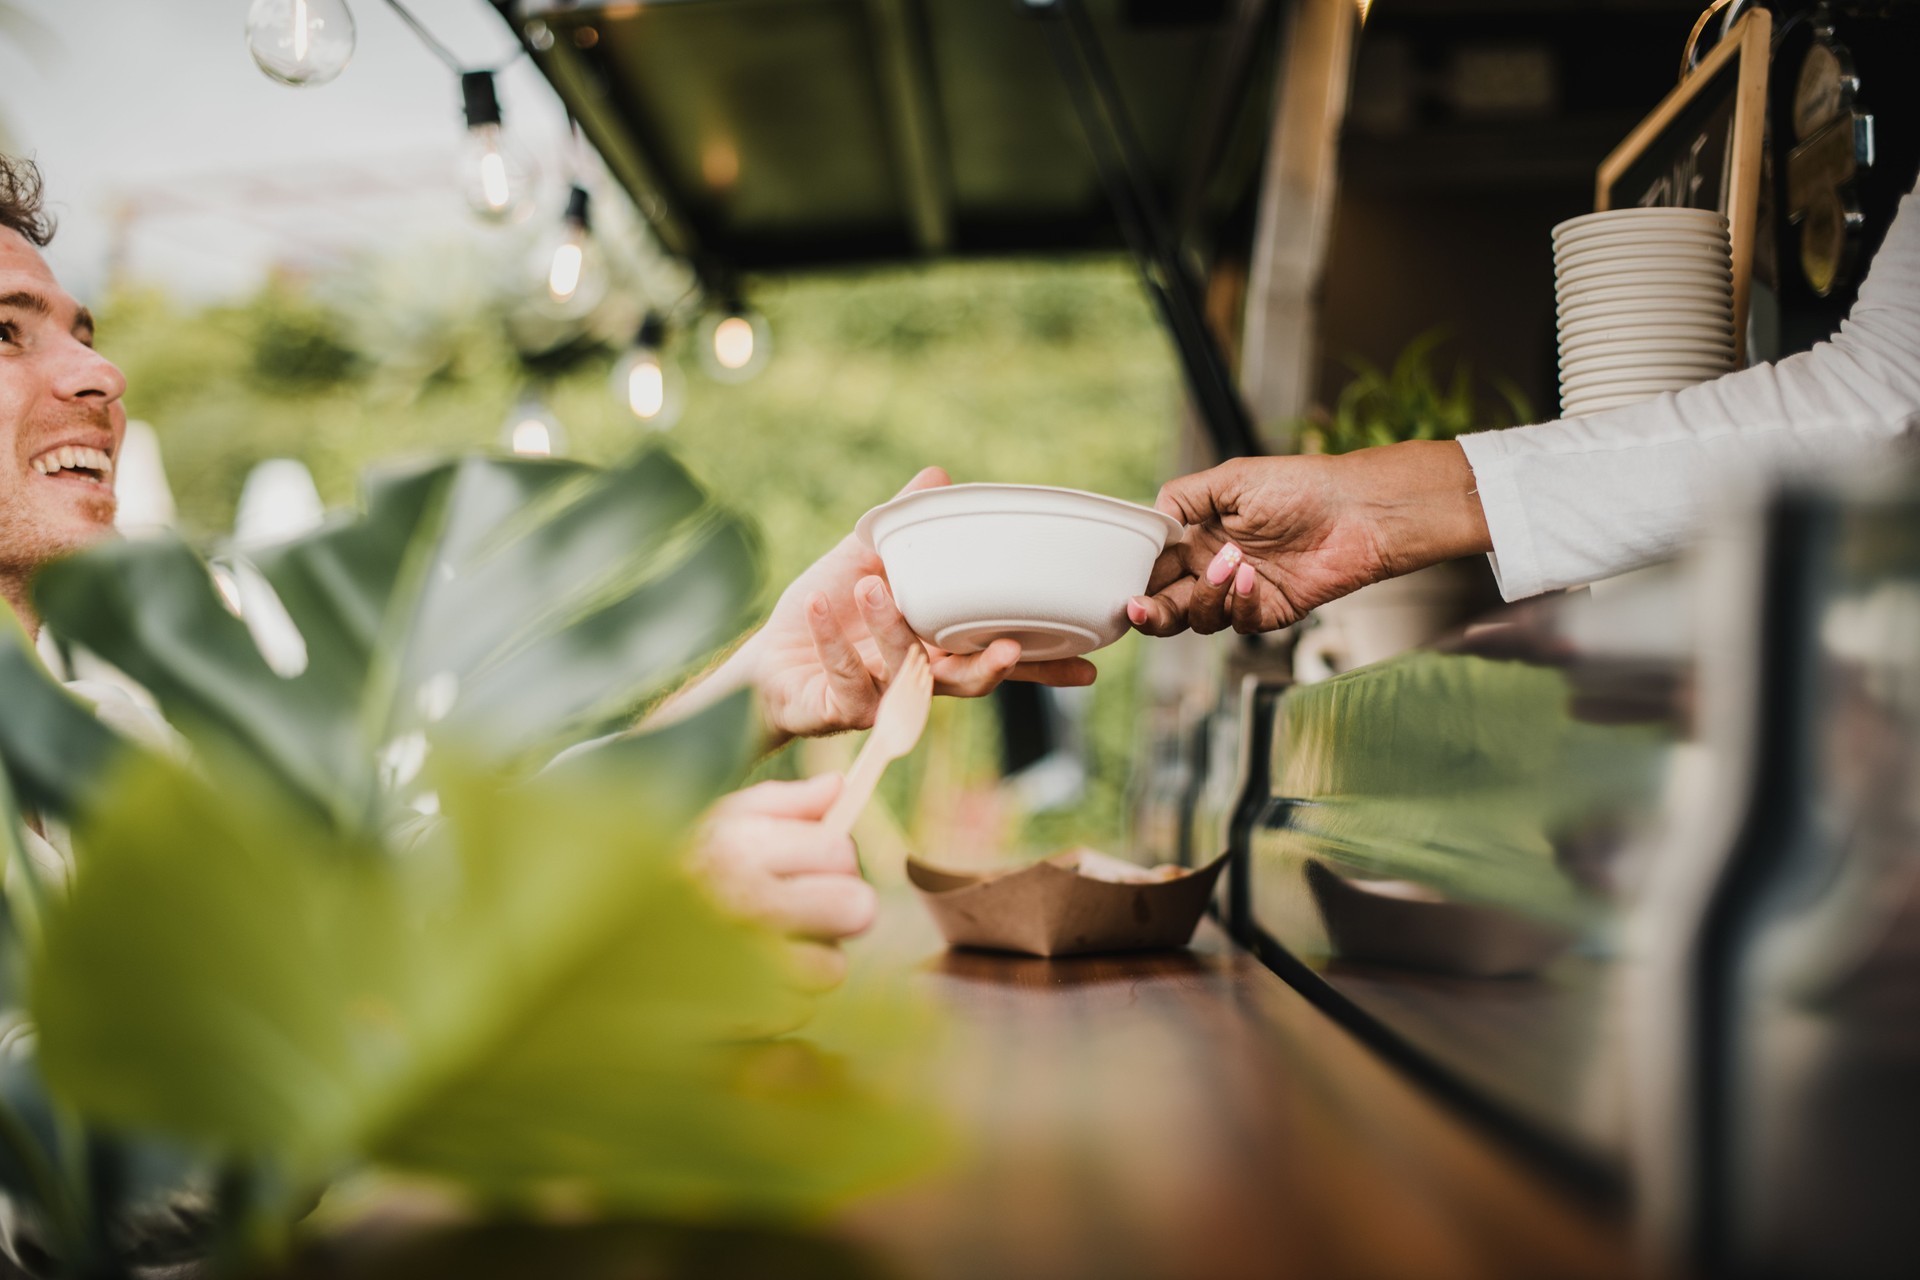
(156, 106)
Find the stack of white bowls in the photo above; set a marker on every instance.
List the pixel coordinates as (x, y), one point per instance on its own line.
(1645, 305)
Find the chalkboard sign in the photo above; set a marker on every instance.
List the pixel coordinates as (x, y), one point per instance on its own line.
(1701, 148)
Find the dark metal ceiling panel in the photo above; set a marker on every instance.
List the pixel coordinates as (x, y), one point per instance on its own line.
(1016, 147)
(767, 116)
(762, 134)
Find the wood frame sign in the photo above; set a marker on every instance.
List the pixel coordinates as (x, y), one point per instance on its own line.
(1701, 149)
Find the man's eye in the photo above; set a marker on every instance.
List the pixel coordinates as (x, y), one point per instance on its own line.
(9, 332)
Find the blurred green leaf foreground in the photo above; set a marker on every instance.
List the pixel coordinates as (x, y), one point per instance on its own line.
(409, 896)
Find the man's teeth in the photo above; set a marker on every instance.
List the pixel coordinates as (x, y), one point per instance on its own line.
(74, 457)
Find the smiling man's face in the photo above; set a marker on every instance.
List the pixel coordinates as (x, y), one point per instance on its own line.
(61, 421)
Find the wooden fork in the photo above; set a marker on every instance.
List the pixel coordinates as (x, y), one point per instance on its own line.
(897, 727)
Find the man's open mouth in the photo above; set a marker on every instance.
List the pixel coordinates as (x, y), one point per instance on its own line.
(75, 461)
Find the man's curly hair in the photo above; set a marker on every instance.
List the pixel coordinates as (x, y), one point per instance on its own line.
(20, 207)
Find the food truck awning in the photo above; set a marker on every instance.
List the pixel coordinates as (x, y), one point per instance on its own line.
(776, 134)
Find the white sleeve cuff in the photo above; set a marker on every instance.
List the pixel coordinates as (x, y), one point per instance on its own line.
(1515, 559)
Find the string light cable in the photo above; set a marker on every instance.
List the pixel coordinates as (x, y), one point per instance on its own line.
(438, 47)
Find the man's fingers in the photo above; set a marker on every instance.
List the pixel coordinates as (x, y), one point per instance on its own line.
(1163, 614)
(852, 684)
(826, 907)
(885, 623)
(970, 675)
(789, 848)
(808, 800)
(1061, 673)
(817, 967)
(929, 478)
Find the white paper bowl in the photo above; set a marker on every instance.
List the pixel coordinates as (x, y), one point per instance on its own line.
(1680, 308)
(1703, 240)
(1631, 310)
(1654, 337)
(1621, 380)
(1616, 385)
(1652, 363)
(1650, 322)
(1710, 316)
(1697, 240)
(1673, 283)
(1646, 297)
(1613, 275)
(1620, 338)
(1709, 365)
(1666, 232)
(1051, 568)
(1610, 221)
(1652, 352)
(1579, 381)
(1689, 343)
(1617, 313)
(1647, 254)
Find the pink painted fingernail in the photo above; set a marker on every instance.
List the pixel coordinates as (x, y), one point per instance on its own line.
(1136, 610)
(1224, 563)
(1243, 580)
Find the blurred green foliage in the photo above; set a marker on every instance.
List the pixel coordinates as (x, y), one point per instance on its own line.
(532, 995)
(377, 919)
(1039, 372)
(297, 345)
(1463, 773)
(1408, 402)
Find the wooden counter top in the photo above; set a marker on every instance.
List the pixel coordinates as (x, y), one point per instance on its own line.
(1179, 1116)
(1191, 1115)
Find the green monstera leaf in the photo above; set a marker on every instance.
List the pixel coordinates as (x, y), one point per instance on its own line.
(535, 994)
(383, 915)
(85, 1199)
(510, 605)
(51, 745)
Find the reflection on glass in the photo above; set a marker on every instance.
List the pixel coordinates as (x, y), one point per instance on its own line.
(1455, 778)
(1454, 840)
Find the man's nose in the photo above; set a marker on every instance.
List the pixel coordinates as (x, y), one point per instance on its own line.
(86, 374)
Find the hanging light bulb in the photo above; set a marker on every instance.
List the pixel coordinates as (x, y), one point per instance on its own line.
(569, 265)
(646, 381)
(496, 171)
(531, 430)
(300, 42)
(734, 343)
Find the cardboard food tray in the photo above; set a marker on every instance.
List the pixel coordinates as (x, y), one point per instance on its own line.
(1049, 909)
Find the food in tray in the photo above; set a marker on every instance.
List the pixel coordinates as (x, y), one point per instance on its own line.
(1095, 865)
